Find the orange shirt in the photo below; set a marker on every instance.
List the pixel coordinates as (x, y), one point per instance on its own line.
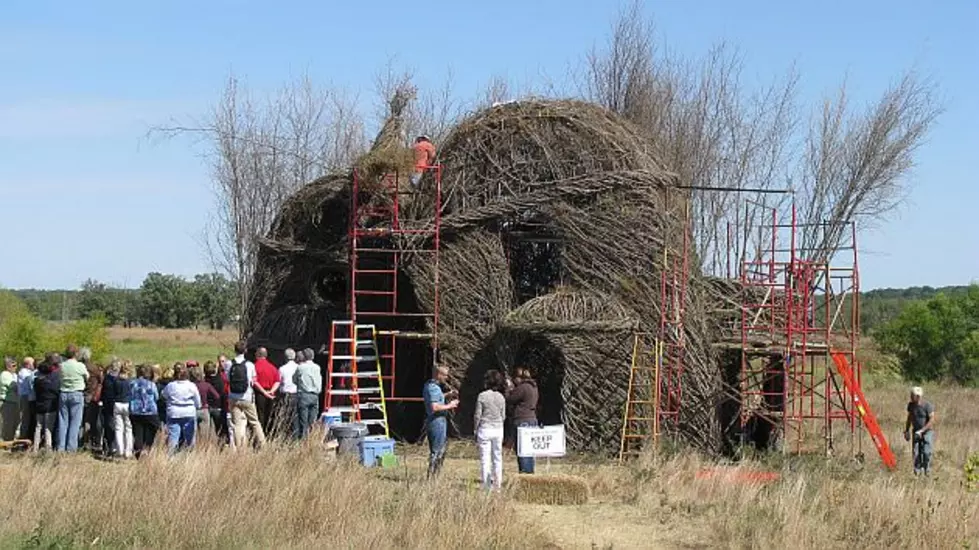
(424, 155)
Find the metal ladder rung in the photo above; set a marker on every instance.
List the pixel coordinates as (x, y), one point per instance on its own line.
(358, 391)
(370, 374)
(360, 407)
(358, 358)
(359, 342)
(406, 335)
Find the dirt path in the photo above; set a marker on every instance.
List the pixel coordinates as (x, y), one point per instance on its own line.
(604, 526)
(600, 524)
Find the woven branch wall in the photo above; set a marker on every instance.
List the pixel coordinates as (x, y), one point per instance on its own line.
(516, 175)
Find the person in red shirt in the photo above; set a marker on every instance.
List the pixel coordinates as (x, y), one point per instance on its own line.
(424, 157)
(267, 379)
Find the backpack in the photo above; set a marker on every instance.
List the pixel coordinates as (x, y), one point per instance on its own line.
(238, 378)
(141, 400)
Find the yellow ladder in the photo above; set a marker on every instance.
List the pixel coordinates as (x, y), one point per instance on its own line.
(640, 424)
(362, 345)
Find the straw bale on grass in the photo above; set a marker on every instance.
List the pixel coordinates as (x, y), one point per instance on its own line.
(559, 489)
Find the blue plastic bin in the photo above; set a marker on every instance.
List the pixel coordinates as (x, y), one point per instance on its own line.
(331, 417)
(373, 447)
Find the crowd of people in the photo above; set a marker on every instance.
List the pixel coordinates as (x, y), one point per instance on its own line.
(67, 402)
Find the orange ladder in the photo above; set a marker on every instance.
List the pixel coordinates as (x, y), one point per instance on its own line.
(640, 419)
(863, 407)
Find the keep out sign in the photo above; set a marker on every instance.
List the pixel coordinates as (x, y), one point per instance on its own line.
(547, 441)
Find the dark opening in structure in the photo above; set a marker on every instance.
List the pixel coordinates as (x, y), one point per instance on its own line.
(534, 254)
(547, 364)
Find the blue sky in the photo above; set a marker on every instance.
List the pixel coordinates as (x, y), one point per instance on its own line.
(86, 194)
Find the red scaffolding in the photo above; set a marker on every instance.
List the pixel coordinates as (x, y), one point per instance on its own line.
(674, 281)
(382, 239)
(799, 305)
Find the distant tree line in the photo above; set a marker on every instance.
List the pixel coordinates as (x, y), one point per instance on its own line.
(878, 307)
(168, 301)
(211, 300)
(936, 339)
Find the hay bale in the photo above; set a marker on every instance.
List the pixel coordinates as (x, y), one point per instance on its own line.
(377, 163)
(388, 153)
(554, 489)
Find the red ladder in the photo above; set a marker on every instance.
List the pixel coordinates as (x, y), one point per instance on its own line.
(863, 407)
(380, 240)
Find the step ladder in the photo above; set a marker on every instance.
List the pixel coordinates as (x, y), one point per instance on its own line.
(639, 419)
(863, 408)
(355, 385)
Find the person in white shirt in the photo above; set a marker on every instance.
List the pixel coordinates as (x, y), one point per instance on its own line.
(285, 411)
(241, 395)
(488, 423)
(183, 401)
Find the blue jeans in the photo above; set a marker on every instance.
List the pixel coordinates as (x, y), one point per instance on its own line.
(437, 435)
(922, 448)
(525, 464)
(180, 432)
(307, 409)
(70, 409)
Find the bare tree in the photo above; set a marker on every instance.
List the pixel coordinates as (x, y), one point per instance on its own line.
(497, 90)
(261, 151)
(706, 126)
(620, 75)
(854, 165)
(721, 137)
(431, 112)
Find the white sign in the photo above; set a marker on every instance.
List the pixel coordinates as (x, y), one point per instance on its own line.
(547, 441)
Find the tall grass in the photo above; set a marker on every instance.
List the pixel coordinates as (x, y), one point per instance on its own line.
(210, 499)
(819, 502)
(295, 498)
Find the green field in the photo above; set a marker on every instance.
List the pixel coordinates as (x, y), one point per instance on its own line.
(159, 346)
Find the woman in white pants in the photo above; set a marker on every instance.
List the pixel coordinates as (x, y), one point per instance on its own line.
(488, 425)
(120, 378)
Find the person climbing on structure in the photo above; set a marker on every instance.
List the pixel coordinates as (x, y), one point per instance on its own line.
(424, 157)
(921, 417)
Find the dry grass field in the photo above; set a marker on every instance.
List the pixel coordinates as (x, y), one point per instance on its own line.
(297, 498)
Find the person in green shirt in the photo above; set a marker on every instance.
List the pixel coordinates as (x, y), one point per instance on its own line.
(72, 404)
(9, 419)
